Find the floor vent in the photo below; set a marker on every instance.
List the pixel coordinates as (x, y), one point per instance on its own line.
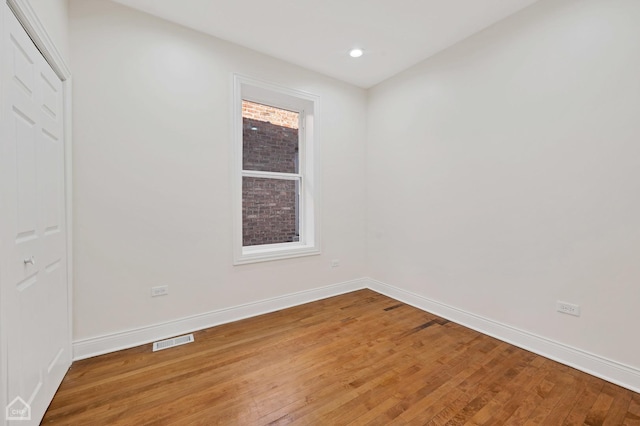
(176, 341)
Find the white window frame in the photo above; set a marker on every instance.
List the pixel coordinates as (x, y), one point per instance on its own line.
(307, 105)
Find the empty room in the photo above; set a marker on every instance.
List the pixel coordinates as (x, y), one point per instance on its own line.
(320, 212)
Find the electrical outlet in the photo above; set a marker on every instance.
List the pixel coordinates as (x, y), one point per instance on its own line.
(161, 290)
(335, 263)
(568, 308)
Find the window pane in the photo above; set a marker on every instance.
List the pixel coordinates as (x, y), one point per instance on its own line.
(269, 211)
(269, 138)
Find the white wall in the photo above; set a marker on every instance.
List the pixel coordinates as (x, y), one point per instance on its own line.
(504, 174)
(54, 16)
(152, 121)
(499, 176)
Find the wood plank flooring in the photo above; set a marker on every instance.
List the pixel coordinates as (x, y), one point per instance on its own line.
(355, 359)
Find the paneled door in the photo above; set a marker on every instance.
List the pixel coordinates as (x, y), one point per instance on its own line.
(33, 234)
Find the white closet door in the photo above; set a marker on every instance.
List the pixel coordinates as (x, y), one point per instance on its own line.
(34, 302)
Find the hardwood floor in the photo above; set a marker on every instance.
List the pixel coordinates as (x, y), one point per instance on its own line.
(360, 358)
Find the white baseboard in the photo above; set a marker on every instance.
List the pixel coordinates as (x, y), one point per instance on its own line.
(100, 345)
(612, 371)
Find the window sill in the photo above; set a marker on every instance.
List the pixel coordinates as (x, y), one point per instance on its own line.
(266, 253)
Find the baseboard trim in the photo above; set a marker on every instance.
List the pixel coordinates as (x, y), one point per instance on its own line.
(87, 348)
(611, 371)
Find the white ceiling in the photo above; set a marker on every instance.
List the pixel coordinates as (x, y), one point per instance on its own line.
(317, 35)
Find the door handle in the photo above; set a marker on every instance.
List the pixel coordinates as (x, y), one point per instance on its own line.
(31, 260)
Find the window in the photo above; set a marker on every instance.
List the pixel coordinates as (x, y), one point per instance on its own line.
(276, 187)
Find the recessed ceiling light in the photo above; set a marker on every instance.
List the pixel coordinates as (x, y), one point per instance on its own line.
(356, 53)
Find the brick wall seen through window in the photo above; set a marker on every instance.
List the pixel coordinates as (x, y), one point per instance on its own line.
(270, 207)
